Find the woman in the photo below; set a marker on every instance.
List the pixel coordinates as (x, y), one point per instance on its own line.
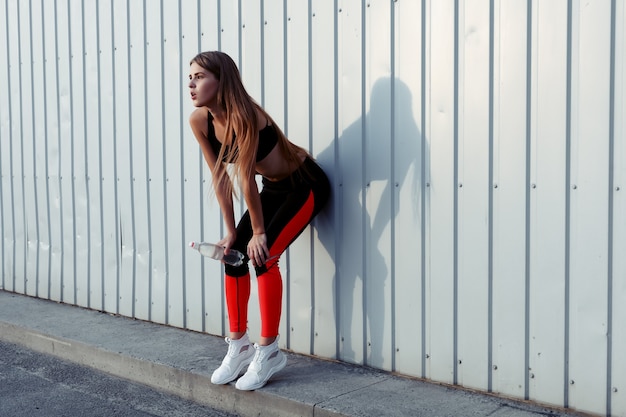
(232, 128)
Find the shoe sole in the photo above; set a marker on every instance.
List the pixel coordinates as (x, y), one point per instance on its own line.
(281, 365)
(235, 375)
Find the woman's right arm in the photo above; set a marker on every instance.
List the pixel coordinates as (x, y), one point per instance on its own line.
(198, 120)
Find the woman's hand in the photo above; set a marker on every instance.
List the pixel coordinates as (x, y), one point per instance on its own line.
(257, 249)
(227, 241)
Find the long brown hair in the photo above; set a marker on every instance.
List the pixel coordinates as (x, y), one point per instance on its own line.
(241, 120)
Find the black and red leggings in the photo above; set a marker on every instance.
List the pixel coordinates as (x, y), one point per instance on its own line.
(288, 206)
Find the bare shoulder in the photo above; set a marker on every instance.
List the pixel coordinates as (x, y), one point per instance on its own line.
(199, 117)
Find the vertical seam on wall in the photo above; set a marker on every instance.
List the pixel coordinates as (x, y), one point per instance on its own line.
(131, 179)
(423, 183)
(148, 179)
(11, 182)
(239, 64)
(455, 238)
(568, 155)
(239, 40)
(130, 141)
(164, 159)
(182, 164)
(364, 183)
(310, 115)
(200, 185)
(219, 24)
(490, 202)
(609, 344)
(287, 281)
(72, 149)
(100, 171)
(21, 123)
(87, 178)
(19, 87)
(529, 23)
(59, 143)
(262, 41)
(34, 125)
(337, 211)
(46, 162)
(115, 173)
(392, 181)
(222, 273)
(8, 59)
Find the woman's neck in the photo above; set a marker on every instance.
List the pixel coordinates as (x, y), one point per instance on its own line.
(218, 114)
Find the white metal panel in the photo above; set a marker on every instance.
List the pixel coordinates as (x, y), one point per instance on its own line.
(298, 281)
(52, 286)
(351, 262)
(141, 293)
(380, 186)
(193, 202)
(473, 196)
(54, 92)
(548, 204)
(67, 276)
(251, 47)
(40, 123)
(80, 144)
(176, 248)
(91, 159)
(440, 197)
(39, 254)
(6, 198)
(124, 122)
(209, 21)
(409, 190)
(509, 199)
(149, 288)
(17, 246)
(274, 61)
(109, 141)
(589, 209)
(230, 41)
(618, 314)
(22, 127)
(29, 96)
(323, 148)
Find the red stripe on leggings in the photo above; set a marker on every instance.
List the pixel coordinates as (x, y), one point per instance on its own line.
(295, 226)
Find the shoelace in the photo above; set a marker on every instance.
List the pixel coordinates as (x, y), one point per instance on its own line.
(258, 358)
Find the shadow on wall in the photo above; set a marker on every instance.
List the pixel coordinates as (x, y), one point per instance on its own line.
(363, 213)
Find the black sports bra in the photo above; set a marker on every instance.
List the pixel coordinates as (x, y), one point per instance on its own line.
(268, 138)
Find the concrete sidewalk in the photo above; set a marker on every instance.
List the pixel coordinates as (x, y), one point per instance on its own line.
(180, 362)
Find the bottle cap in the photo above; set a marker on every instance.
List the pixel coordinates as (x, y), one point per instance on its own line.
(192, 244)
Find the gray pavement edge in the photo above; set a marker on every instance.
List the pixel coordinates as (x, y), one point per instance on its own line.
(180, 362)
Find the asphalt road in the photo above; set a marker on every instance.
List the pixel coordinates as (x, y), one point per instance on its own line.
(32, 384)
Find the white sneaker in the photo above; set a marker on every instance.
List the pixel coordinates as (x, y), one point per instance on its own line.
(240, 354)
(267, 361)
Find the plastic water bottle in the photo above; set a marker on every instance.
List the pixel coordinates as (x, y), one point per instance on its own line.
(234, 257)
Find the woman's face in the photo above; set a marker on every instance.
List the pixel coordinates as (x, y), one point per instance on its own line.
(202, 86)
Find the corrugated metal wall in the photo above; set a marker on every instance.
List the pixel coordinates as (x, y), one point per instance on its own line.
(477, 230)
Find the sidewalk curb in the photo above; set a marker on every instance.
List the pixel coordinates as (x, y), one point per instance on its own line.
(185, 384)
